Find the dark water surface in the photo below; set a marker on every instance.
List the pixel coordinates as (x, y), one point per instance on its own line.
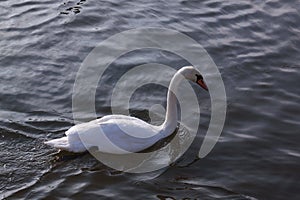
(255, 45)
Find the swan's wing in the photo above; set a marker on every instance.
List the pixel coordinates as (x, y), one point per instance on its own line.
(130, 135)
(128, 125)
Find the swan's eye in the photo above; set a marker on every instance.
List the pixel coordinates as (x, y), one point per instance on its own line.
(199, 77)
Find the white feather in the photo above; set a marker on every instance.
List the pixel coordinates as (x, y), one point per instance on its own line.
(120, 134)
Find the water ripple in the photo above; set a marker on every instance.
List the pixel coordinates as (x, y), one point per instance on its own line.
(254, 43)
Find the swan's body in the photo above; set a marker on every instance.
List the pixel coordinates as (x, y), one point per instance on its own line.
(119, 134)
(116, 129)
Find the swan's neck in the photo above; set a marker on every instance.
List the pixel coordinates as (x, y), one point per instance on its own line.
(171, 120)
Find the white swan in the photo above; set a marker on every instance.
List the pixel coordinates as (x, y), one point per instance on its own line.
(122, 134)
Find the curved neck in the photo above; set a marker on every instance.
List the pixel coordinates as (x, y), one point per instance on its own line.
(171, 120)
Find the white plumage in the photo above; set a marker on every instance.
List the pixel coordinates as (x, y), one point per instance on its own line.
(120, 134)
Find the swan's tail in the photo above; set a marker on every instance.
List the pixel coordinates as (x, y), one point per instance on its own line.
(60, 143)
(65, 144)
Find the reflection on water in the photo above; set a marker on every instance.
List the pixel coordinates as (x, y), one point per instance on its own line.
(255, 45)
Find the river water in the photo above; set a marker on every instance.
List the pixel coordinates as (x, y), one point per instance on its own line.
(255, 45)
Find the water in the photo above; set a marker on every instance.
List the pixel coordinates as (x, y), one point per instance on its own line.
(255, 45)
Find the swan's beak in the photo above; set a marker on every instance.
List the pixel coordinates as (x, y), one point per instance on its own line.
(202, 84)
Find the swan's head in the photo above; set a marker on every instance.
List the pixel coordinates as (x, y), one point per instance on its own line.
(192, 74)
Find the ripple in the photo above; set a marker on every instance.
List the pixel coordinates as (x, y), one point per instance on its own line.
(291, 153)
(254, 43)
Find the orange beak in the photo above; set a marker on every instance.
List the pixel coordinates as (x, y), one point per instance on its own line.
(202, 84)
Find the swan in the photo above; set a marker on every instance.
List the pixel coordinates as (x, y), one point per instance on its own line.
(121, 134)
